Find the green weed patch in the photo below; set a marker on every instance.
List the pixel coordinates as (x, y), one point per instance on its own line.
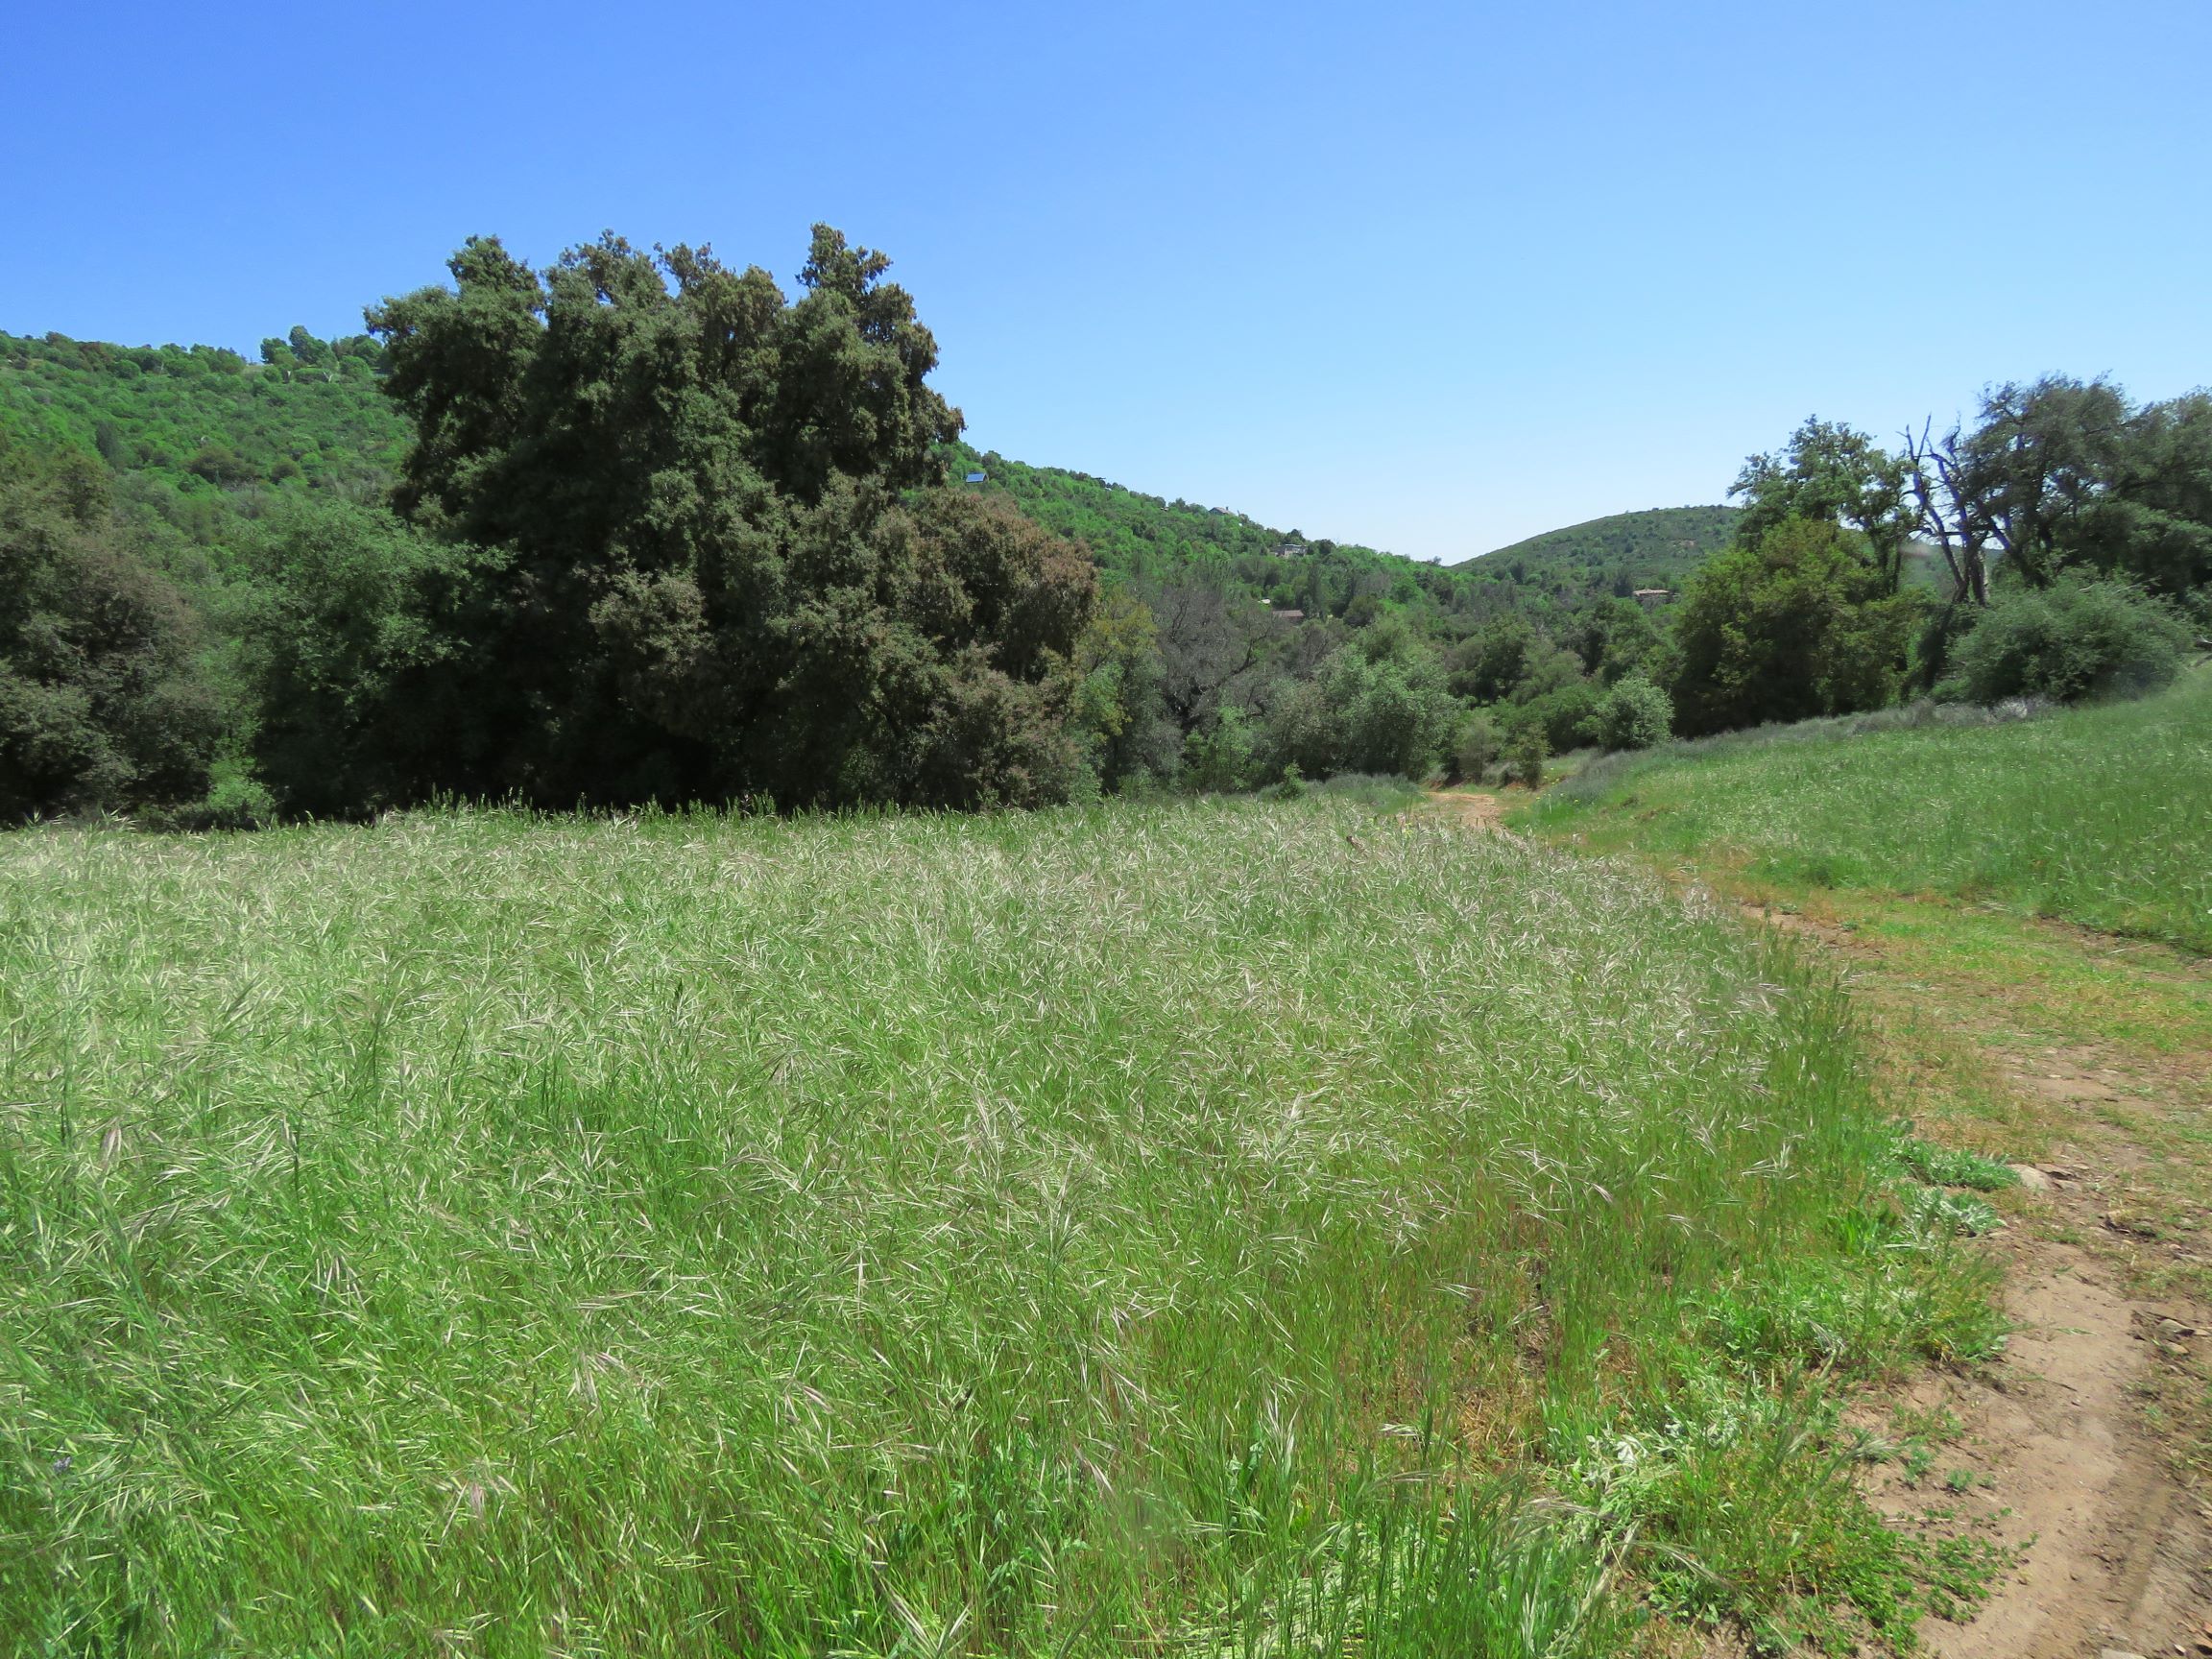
(1094, 1231)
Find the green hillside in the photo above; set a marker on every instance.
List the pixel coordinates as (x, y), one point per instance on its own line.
(1153, 539)
(192, 427)
(1149, 539)
(196, 433)
(1657, 547)
(1142, 535)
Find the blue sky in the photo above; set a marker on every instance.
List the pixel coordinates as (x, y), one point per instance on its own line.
(1429, 278)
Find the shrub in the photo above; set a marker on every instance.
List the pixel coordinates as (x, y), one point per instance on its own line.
(1476, 749)
(102, 704)
(1220, 756)
(234, 800)
(2076, 639)
(1635, 714)
(1569, 716)
(1378, 704)
(1529, 750)
(357, 687)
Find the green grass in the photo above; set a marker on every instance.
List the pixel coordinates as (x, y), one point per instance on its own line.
(2097, 816)
(1214, 1227)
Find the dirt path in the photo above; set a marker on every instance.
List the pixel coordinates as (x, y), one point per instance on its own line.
(2072, 1446)
(2075, 1433)
(2116, 1550)
(1475, 808)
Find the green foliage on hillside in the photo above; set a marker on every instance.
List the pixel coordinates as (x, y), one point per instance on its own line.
(1148, 541)
(197, 434)
(1149, 537)
(100, 709)
(1657, 547)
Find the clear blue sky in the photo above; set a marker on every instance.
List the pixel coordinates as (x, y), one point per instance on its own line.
(1431, 277)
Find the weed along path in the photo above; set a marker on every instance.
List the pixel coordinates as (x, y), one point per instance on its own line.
(2085, 1063)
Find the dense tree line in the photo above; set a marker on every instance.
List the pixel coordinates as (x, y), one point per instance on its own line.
(2074, 531)
(640, 527)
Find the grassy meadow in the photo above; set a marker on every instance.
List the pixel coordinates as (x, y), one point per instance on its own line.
(2100, 816)
(1229, 1227)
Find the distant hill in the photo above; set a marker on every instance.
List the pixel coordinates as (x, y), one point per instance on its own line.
(1651, 549)
(1656, 547)
(204, 420)
(1150, 536)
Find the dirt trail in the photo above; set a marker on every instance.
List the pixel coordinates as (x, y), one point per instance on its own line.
(1476, 810)
(2063, 1431)
(2117, 1552)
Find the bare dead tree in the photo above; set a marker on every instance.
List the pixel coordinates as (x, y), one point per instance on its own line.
(1951, 509)
(1207, 642)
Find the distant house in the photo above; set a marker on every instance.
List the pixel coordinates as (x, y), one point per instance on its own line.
(1289, 549)
(1288, 615)
(975, 478)
(1649, 597)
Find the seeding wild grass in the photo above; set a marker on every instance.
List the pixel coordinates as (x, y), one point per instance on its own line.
(1221, 1228)
(2101, 816)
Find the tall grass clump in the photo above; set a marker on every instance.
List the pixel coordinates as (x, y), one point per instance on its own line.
(2099, 815)
(1191, 1226)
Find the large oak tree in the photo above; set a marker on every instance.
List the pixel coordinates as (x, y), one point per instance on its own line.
(717, 554)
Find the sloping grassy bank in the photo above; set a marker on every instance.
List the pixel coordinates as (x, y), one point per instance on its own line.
(2101, 816)
(1197, 1226)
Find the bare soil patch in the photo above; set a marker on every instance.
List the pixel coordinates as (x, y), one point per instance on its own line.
(1473, 808)
(2114, 1549)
